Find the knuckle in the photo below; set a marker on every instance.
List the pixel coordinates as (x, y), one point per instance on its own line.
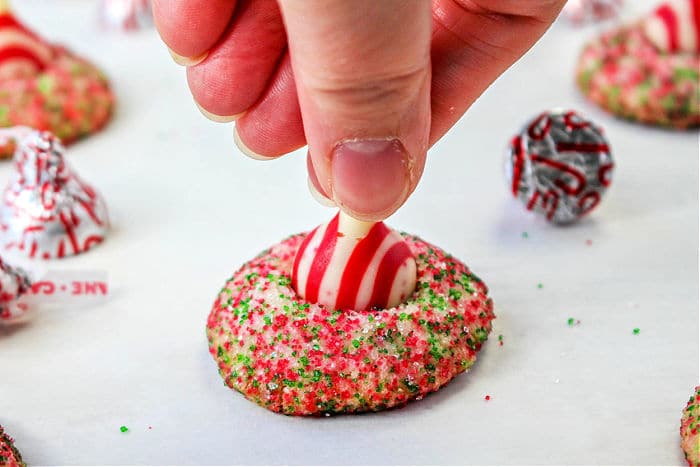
(375, 94)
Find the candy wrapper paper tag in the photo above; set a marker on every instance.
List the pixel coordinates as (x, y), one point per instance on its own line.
(61, 287)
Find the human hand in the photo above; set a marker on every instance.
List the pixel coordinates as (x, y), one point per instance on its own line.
(369, 85)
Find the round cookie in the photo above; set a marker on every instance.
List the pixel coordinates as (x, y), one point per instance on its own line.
(300, 358)
(47, 87)
(623, 72)
(690, 426)
(9, 455)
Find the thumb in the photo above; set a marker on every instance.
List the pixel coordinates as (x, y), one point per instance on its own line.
(362, 71)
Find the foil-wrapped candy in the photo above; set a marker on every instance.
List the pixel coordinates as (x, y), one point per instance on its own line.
(589, 11)
(559, 165)
(126, 15)
(47, 211)
(14, 283)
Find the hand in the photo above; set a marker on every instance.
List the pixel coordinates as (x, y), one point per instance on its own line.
(369, 84)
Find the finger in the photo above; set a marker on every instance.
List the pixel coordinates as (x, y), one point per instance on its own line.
(238, 68)
(273, 127)
(362, 72)
(315, 187)
(191, 27)
(473, 43)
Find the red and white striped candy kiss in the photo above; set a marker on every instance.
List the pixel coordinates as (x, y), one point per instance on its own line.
(350, 264)
(675, 26)
(127, 15)
(22, 52)
(47, 211)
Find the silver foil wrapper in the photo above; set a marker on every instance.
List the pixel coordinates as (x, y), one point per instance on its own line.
(47, 211)
(559, 165)
(14, 283)
(590, 11)
(126, 15)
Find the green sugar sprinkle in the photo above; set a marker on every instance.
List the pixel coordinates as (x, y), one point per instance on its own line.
(123, 429)
(525, 235)
(539, 285)
(635, 331)
(570, 321)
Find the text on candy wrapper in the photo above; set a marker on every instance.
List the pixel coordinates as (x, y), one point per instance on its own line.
(93, 288)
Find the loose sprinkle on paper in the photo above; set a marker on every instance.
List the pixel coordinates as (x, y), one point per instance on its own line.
(635, 331)
(500, 339)
(525, 235)
(123, 429)
(573, 322)
(589, 242)
(487, 397)
(539, 285)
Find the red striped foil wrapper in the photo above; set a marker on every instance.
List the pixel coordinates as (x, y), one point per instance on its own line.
(559, 165)
(47, 211)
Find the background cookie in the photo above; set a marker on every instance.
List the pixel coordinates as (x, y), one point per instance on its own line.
(46, 87)
(624, 73)
(690, 425)
(9, 455)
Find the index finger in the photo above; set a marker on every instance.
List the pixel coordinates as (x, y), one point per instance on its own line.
(191, 27)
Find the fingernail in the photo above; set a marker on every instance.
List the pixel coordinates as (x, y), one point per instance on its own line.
(218, 118)
(246, 150)
(317, 191)
(370, 179)
(187, 61)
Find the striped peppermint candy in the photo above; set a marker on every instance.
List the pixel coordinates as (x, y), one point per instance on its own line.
(675, 26)
(22, 52)
(349, 264)
(127, 15)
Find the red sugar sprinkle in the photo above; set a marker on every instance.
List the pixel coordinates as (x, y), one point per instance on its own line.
(487, 397)
(589, 242)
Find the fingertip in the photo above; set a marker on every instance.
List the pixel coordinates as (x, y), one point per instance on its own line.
(217, 118)
(370, 179)
(187, 61)
(314, 181)
(316, 195)
(246, 150)
(191, 27)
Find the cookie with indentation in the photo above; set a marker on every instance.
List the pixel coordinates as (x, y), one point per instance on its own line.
(297, 357)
